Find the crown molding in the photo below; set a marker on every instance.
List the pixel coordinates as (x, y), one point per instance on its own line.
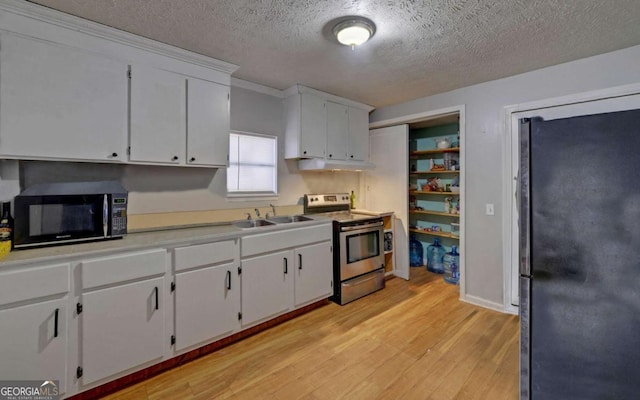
(257, 88)
(58, 18)
(295, 89)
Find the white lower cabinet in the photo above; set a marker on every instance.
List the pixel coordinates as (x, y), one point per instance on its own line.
(122, 327)
(207, 294)
(33, 323)
(313, 273)
(267, 283)
(121, 321)
(284, 270)
(207, 304)
(90, 321)
(34, 342)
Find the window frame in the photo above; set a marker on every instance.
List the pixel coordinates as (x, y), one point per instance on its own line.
(253, 195)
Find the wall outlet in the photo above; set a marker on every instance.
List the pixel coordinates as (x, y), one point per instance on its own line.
(489, 209)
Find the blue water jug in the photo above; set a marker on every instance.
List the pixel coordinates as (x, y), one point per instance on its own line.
(435, 254)
(451, 263)
(415, 252)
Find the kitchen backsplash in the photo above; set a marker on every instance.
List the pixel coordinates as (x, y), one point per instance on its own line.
(140, 222)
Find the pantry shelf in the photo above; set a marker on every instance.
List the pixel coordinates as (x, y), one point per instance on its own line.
(427, 212)
(439, 234)
(427, 192)
(434, 151)
(433, 172)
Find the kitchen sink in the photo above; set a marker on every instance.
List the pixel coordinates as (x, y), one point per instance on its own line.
(286, 219)
(252, 223)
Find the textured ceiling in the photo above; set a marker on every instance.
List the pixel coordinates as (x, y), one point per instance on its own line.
(420, 47)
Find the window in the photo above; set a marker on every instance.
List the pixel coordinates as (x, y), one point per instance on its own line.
(253, 166)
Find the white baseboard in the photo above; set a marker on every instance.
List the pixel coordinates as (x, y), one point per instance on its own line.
(478, 301)
(511, 309)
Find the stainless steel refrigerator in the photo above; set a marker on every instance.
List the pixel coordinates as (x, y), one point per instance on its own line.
(579, 206)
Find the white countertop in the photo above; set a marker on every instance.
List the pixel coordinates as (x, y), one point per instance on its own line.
(171, 237)
(376, 213)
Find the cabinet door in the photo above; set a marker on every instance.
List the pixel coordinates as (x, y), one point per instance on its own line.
(207, 304)
(58, 102)
(313, 126)
(266, 286)
(32, 346)
(337, 131)
(314, 273)
(122, 327)
(158, 116)
(386, 192)
(207, 123)
(358, 146)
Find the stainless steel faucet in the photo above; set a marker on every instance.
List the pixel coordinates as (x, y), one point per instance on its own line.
(257, 212)
(249, 216)
(273, 208)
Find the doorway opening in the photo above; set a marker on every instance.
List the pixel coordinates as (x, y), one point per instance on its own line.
(595, 102)
(420, 171)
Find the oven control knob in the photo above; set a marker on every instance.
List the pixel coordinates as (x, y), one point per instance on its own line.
(311, 199)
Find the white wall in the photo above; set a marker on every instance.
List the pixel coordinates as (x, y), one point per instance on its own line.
(155, 189)
(484, 137)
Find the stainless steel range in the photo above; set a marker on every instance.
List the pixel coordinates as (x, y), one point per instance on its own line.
(358, 256)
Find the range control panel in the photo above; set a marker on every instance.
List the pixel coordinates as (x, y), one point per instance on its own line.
(338, 200)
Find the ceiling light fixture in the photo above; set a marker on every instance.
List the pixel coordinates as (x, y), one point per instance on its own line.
(354, 31)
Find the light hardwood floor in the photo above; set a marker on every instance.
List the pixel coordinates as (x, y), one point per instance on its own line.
(412, 340)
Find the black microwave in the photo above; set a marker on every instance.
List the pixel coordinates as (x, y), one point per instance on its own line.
(61, 213)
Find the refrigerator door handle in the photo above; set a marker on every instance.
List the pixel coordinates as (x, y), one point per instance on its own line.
(523, 197)
(515, 195)
(525, 338)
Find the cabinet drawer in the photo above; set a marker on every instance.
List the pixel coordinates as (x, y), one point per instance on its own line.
(204, 254)
(33, 283)
(266, 242)
(121, 268)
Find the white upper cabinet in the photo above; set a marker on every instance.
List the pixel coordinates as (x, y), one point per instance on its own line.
(178, 120)
(358, 138)
(65, 94)
(61, 103)
(207, 123)
(158, 116)
(306, 134)
(321, 125)
(337, 131)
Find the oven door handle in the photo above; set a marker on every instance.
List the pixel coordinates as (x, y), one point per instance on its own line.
(359, 227)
